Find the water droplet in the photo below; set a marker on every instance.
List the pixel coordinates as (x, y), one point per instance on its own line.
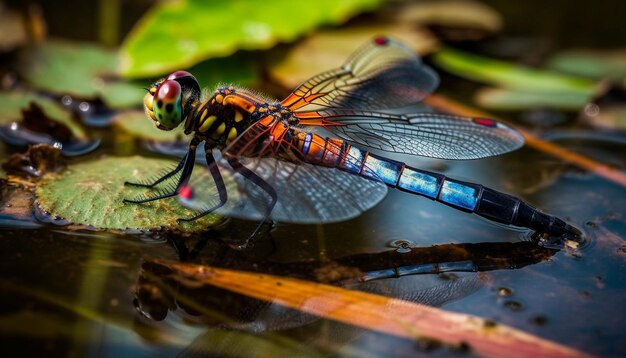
(402, 246)
(83, 106)
(592, 110)
(514, 305)
(67, 100)
(539, 320)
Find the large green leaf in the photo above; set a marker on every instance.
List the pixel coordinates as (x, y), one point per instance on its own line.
(510, 75)
(92, 194)
(178, 34)
(12, 104)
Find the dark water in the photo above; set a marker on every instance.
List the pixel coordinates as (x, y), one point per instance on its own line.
(89, 293)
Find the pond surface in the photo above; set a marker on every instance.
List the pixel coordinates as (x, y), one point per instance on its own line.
(78, 293)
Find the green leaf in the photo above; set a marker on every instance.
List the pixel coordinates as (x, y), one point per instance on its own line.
(122, 95)
(139, 125)
(13, 102)
(178, 34)
(512, 100)
(78, 69)
(91, 193)
(67, 68)
(592, 64)
(509, 75)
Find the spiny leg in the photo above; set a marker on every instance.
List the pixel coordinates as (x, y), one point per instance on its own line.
(187, 169)
(166, 176)
(265, 186)
(219, 184)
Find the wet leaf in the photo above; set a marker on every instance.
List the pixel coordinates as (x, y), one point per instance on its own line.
(179, 34)
(139, 125)
(591, 63)
(509, 75)
(330, 49)
(83, 70)
(378, 313)
(512, 100)
(91, 193)
(12, 104)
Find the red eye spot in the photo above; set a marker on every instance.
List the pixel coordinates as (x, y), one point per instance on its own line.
(178, 74)
(168, 90)
(485, 122)
(381, 40)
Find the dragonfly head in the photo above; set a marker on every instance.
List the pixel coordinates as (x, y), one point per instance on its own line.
(170, 100)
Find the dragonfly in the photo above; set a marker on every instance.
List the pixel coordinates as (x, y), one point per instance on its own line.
(307, 159)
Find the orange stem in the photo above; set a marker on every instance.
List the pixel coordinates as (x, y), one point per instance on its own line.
(582, 161)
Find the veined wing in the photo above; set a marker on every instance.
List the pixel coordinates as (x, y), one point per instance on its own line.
(305, 193)
(382, 74)
(425, 134)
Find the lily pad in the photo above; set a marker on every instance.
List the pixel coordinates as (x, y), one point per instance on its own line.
(91, 193)
(12, 104)
(179, 34)
(139, 125)
(512, 100)
(509, 75)
(82, 70)
(330, 49)
(592, 64)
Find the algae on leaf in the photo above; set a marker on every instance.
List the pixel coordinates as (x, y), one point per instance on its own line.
(179, 34)
(92, 194)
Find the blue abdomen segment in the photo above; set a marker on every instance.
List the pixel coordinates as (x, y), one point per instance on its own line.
(455, 193)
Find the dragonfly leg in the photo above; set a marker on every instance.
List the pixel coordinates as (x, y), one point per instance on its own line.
(219, 184)
(187, 168)
(266, 187)
(166, 176)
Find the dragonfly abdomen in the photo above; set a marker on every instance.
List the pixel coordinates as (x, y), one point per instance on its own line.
(466, 196)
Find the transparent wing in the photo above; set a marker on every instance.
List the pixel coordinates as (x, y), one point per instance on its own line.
(425, 134)
(305, 193)
(382, 74)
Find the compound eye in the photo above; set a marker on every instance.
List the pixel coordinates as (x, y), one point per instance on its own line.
(178, 74)
(166, 104)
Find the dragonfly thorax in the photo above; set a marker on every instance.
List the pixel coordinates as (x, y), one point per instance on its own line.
(229, 112)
